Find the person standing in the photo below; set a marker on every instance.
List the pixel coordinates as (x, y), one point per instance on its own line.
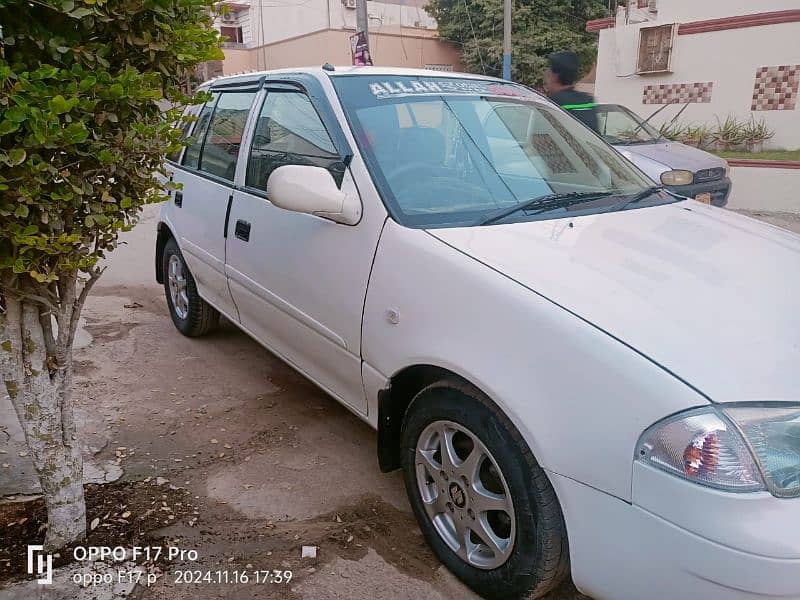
(559, 83)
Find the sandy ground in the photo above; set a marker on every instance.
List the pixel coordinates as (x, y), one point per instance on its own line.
(272, 462)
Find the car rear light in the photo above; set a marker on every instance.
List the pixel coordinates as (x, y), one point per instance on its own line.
(702, 447)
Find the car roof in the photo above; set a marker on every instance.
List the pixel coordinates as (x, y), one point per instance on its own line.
(320, 73)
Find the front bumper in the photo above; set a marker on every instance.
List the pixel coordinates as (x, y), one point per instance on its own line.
(680, 540)
(719, 189)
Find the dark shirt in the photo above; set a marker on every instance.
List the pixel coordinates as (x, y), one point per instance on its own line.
(579, 104)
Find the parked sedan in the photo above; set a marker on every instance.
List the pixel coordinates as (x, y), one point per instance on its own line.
(685, 170)
(576, 370)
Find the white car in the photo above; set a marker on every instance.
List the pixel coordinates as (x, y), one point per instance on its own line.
(577, 371)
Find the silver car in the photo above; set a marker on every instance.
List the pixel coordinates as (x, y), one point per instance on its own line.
(686, 170)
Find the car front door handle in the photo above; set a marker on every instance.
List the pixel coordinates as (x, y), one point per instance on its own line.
(178, 198)
(243, 230)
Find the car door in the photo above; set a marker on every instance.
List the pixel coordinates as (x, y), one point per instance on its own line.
(299, 280)
(199, 209)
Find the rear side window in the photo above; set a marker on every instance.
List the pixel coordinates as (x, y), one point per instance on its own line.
(224, 137)
(186, 126)
(289, 132)
(191, 158)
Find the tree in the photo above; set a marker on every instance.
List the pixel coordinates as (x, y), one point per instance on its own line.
(539, 28)
(82, 139)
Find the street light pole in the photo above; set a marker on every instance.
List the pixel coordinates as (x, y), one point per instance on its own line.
(507, 39)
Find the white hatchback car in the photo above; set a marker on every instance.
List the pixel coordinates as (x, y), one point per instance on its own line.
(575, 370)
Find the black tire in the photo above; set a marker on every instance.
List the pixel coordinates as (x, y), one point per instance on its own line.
(200, 317)
(539, 560)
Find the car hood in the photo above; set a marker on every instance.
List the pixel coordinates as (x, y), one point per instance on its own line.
(712, 296)
(674, 155)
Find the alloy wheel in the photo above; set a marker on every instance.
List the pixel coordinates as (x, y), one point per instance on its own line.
(465, 494)
(177, 286)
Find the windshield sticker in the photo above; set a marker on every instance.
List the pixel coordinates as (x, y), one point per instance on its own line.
(434, 87)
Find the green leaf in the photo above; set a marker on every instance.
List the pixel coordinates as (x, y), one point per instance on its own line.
(22, 211)
(7, 127)
(16, 156)
(79, 13)
(17, 114)
(59, 105)
(76, 133)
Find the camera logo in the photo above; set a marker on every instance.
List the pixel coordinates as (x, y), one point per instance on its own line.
(44, 564)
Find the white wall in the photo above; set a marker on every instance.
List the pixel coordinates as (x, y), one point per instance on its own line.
(383, 16)
(700, 10)
(284, 19)
(729, 58)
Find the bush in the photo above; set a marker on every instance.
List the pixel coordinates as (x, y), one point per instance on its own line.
(82, 139)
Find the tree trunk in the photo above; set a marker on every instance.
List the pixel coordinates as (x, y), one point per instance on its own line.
(36, 366)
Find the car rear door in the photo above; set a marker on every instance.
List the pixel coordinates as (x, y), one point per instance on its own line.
(299, 280)
(199, 209)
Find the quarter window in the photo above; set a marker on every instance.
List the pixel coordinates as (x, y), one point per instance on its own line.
(289, 132)
(187, 120)
(221, 148)
(191, 158)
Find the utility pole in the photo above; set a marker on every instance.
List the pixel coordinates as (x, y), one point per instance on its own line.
(362, 19)
(507, 40)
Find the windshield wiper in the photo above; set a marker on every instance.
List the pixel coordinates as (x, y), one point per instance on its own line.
(645, 193)
(543, 204)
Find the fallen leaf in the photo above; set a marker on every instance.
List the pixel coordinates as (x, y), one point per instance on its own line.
(95, 522)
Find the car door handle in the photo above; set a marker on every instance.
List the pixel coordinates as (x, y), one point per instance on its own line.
(178, 198)
(243, 230)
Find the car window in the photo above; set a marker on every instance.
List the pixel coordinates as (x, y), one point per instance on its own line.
(289, 132)
(191, 158)
(449, 152)
(188, 119)
(619, 126)
(221, 148)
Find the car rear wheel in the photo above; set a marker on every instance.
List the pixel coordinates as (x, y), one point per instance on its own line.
(191, 315)
(483, 503)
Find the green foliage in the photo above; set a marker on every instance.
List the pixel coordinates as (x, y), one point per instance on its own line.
(539, 28)
(672, 130)
(83, 130)
(757, 131)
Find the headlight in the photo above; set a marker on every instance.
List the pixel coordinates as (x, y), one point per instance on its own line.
(677, 177)
(736, 447)
(773, 434)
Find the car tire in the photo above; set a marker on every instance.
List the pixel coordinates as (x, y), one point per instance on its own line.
(191, 315)
(530, 554)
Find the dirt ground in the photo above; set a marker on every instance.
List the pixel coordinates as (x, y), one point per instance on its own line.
(262, 462)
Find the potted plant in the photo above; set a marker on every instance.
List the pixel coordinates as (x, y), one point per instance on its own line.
(672, 130)
(729, 134)
(755, 134)
(696, 135)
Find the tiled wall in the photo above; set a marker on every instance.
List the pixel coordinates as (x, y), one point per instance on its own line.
(678, 93)
(776, 88)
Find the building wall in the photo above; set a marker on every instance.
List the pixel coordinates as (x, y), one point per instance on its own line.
(728, 59)
(679, 11)
(333, 46)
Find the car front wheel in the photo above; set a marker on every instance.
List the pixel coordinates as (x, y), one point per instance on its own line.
(484, 504)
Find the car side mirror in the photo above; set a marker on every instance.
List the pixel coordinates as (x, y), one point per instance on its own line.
(312, 190)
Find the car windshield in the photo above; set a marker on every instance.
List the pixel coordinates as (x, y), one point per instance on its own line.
(620, 126)
(450, 152)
